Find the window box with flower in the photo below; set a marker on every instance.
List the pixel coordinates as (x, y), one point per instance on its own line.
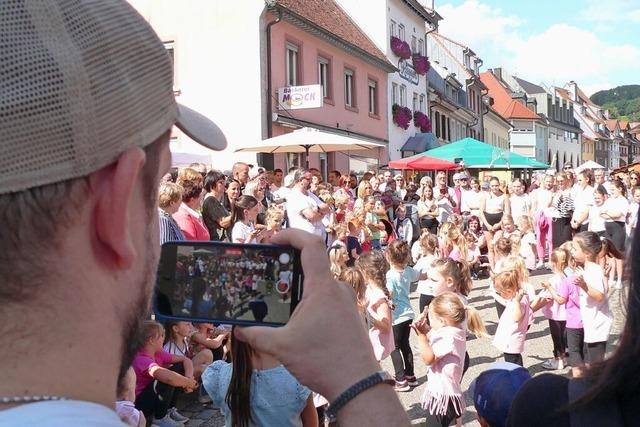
(400, 48)
(421, 64)
(422, 121)
(401, 116)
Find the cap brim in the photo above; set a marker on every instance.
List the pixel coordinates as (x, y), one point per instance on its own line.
(200, 129)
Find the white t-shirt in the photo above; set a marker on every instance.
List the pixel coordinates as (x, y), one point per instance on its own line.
(596, 222)
(582, 202)
(425, 287)
(445, 208)
(470, 202)
(543, 199)
(296, 203)
(241, 231)
(61, 414)
(520, 205)
(618, 204)
(596, 315)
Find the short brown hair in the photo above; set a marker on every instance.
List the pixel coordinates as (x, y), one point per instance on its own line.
(191, 182)
(169, 194)
(34, 223)
(151, 329)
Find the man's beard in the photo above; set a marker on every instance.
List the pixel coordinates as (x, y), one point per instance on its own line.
(132, 338)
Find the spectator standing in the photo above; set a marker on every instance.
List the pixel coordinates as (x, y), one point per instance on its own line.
(169, 200)
(240, 172)
(303, 212)
(445, 197)
(216, 217)
(583, 201)
(188, 216)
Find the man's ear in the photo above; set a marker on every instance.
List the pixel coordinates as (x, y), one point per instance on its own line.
(114, 192)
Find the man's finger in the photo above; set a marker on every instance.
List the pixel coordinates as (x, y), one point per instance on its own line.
(315, 261)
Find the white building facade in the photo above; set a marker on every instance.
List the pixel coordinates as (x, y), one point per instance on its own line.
(407, 20)
(455, 89)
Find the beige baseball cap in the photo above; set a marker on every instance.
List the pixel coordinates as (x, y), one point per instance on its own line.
(82, 81)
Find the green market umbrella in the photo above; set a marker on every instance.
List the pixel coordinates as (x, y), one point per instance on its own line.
(479, 155)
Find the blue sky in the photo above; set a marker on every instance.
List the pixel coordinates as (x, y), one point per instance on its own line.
(594, 42)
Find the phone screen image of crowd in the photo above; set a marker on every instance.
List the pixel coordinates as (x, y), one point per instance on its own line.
(234, 283)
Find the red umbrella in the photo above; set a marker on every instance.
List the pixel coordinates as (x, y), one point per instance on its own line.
(421, 163)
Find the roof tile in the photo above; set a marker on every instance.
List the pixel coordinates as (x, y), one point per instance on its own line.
(506, 106)
(333, 19)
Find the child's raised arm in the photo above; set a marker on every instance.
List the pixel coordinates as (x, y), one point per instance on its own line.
(517, 311)
(426, 352)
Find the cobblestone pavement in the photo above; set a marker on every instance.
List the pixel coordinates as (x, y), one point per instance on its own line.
(538, 348)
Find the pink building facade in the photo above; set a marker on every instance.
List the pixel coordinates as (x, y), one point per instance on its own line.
(330, 50)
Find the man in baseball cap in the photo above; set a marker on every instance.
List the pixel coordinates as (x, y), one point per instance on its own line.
(86, 112)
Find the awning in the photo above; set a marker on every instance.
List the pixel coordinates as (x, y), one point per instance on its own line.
(420, 143)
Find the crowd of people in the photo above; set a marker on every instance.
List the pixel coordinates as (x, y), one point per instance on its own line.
(385, 232)
(80, 204)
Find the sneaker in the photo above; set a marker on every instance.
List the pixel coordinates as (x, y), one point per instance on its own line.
(539, 265)
(165, 422)
(411, 380)
(551, 364)
(561, 365)
(402, 386)
(618, 285)
(177, 416)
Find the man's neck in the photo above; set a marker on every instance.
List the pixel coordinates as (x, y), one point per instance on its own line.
(63, 358)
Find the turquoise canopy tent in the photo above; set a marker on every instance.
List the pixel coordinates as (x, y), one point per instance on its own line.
(479, 155)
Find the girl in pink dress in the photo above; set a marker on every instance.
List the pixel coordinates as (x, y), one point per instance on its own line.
(442, 343)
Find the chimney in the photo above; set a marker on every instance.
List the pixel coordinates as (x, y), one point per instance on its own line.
(497, 72)
(606, 114)
(573, 90)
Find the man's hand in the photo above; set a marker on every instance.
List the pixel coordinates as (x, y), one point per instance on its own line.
(301, 345)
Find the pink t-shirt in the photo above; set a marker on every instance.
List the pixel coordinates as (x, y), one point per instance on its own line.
(141, 364)
(445, 374)
(382, 342)
(510, 335)
(552, 310)
(569, 291)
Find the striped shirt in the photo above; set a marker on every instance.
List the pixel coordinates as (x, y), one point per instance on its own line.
(169, 230)
(564, 205)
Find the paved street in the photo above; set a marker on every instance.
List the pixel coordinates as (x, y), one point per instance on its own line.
(538, 348)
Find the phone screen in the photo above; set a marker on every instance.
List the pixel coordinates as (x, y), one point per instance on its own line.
(226, 283)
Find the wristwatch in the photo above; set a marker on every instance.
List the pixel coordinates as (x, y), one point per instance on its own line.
(380, 377)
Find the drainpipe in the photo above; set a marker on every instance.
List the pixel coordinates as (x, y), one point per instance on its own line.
(433, 28)
(263, 157)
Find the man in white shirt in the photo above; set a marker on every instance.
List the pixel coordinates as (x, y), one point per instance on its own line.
(445, 197)
(388, 178)
(600, 178)
(303, 211)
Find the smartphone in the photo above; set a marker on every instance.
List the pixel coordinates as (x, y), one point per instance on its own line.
(228, 283)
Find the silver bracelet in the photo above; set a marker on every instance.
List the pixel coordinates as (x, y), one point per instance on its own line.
(380, 377)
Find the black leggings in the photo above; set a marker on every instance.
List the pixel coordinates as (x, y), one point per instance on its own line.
(617, 233)
(595, 351)
(513, 358)
(402, 356)
(575, 342)
(443, 420)
(557, 328)
(560, 231)
(157, 397)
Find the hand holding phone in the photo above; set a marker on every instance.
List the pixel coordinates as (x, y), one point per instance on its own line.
(225, 283)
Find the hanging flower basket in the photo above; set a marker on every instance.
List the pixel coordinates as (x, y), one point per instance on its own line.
(401, 116)
(422, 121)
(400, 48)
(421, 64)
